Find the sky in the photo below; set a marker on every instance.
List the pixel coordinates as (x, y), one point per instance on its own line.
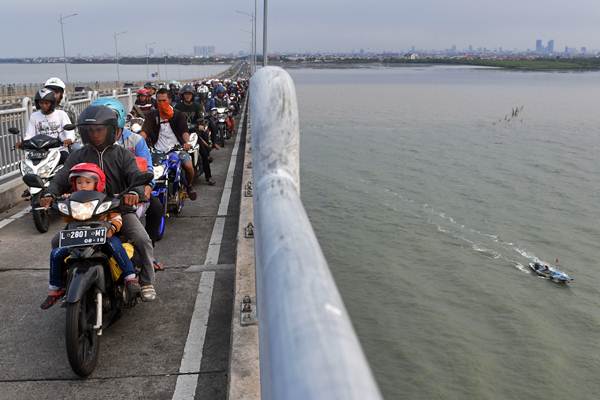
(294, 25)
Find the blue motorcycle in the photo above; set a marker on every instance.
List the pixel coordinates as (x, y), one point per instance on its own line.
(170, 185)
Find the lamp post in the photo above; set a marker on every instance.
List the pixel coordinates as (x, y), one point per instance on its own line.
(253, 33)
(166, 56)
(117, 34)
(61, 20)
(265, 9)
(148, 58)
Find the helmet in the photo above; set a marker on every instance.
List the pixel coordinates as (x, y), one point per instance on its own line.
(186, 89)
(149, 85)
(143, 92)
(54, 82)
(89, 170)
(97, 115)
(45, 94)
(220, 89)
(203, 89)
(115, 105)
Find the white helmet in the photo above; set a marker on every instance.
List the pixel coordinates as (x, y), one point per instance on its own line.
(55, 82)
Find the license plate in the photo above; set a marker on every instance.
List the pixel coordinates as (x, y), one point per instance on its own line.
(82, 237)
(36, 155)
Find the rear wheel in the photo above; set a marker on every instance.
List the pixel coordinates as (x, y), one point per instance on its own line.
(82, 340)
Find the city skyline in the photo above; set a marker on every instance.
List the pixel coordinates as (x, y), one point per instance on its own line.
(308, 26)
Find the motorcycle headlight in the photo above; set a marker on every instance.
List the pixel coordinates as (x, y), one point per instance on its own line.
(83, 211)
(25, 169)
(103, 207)
(159, 170)
(63, 208)
(46, 169)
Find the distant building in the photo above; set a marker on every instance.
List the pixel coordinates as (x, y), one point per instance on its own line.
(583, 50)
(550, 48)
(539, 46)
(204, 51)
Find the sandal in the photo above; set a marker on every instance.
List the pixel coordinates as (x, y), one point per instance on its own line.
(148, 293)
(158, 266)
(53, 297)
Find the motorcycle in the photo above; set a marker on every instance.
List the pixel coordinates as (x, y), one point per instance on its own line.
(169, 185)
(42, 157)
(220, 116)
(95, 293)
(233, 104)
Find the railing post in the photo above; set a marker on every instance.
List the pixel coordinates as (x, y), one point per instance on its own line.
(308, 347)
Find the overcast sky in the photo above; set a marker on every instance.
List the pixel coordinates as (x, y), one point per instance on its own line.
(31, 28)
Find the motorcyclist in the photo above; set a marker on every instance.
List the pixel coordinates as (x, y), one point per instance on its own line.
(194, 114)
(49, 121)
(88, 176)
(219, 100)
(137, 146)
(165, 128)
(174, 90)
(202, 95)
(143, 103)
(98, 126)
(151, 87)
(58, 87)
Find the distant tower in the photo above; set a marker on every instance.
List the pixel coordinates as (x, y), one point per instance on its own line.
(539, 46)
(550, 48)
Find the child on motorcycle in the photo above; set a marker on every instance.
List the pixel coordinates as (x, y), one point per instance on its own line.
(88, 176)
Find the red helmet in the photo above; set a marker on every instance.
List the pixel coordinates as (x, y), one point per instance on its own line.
(89, 170)
(143, 92)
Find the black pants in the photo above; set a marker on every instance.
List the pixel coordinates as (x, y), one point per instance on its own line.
(204, 154)
(153, 218)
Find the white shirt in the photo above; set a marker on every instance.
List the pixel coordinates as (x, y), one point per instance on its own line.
(166, 137)
(51, 125)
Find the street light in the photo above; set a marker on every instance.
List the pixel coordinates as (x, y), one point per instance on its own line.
(116, 34)
(166, 56)
(147, 58)
(61, 20)
(253, 25)
(265, 9)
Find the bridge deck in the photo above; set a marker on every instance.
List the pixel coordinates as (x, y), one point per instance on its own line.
(141, 355)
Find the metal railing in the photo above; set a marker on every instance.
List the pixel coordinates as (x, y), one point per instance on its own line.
(18, 118)
(308, 347)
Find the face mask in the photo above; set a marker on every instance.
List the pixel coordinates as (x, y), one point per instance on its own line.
(165, 110)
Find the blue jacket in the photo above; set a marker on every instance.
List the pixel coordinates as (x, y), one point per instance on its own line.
(137, 145)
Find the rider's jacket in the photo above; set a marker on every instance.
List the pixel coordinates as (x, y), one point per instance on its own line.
(137, 145)
(118, 164)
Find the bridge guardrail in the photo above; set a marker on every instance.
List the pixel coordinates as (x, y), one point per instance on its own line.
(308, 347)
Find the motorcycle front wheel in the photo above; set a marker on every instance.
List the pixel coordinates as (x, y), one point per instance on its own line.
(82, 341)
(41, 219)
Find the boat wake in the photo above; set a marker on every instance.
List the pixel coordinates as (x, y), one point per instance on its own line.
(488, 245)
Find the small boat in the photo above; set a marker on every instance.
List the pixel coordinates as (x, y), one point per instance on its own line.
(549, 272)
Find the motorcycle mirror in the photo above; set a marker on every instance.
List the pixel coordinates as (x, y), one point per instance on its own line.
(14, 131)
(69, 127)
(33, 180)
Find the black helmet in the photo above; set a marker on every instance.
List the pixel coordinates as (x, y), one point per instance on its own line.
(187, 89)
(45, 94)
(98, 115)
(149, 85)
